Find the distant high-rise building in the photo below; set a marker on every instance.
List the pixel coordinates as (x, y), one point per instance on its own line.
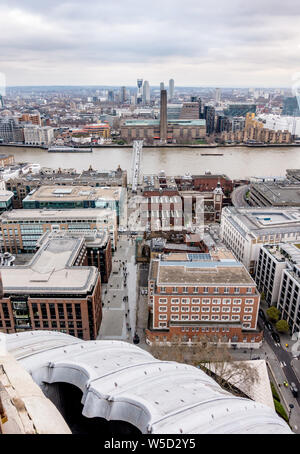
(162, 86)
(171, 88)
(123, 95)
(1, 102)
(139, 96)
(218, 95)
(209, 115)
(146, 92)
(291, 107)
(163, 116)
(110, 96)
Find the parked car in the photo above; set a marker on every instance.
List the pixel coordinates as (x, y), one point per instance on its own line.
(275, 337)
(269, 326)
(262, 314)
(294, 389)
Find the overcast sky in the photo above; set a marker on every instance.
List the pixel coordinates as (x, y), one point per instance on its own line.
(113, 42)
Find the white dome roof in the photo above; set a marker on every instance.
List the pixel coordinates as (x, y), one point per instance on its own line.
(121, 381)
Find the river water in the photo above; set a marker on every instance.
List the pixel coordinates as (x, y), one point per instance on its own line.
(236, 162)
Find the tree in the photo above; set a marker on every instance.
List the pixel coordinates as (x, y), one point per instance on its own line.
(273, 314)
(282, 326)
(214, 359)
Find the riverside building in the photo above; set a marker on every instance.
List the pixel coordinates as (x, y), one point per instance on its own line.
(193, 297)
(55, 291)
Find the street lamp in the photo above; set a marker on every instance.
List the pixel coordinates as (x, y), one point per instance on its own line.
(291, 408)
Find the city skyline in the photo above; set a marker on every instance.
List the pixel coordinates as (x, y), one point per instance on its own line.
(253, 45)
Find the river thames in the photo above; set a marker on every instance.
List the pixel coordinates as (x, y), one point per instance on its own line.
(236, 162)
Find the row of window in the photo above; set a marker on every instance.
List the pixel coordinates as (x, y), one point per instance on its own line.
(205, 317)
(203, 290)
(204, 309)
(186, 318)
(205, 301)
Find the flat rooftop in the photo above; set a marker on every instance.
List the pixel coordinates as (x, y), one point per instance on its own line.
(264, 220)
(173, 122)
(77, 193)
(5, 196)
(279, 194)
(51, 270)
(87, 215)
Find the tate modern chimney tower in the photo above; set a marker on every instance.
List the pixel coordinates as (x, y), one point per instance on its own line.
(163, 116)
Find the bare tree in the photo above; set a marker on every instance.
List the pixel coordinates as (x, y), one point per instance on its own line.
(210, 356)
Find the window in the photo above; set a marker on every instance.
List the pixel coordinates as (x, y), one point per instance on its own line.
(216, 290)
(175, 300)
(248, 309)
(247, 317)
(174, 308)
(185, 301)
(185, 290)
(225, 309)
(246, 325)
(185, 309)
(162, 324)
(195, 300)
(184, 317)
(225, 317)
(195, 317)
(196, 289)
(204, 317)
(249, 290)
(195, 309)
(162, 289)
(226, 290)
(175, 289)
(205, 309)
(215, 309)
(237, 301)
(205, 300)
(235, 317)
(249, 301)
(236, 309)
(163, 300)
(174, 317)
(205, 290)
(162, 317)
(236, 290)
(227, 301)
(216, 301)
(215, 317)
(162, 309)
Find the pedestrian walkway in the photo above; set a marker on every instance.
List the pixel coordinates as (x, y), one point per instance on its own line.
(119, 295)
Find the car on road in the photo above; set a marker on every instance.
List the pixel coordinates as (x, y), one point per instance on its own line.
(275, 337)
(294, 389)
(262, 314)
(269, 326)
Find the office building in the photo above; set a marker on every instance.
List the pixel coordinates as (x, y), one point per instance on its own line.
(66, 197)
(278, 276)
(162, 86)
(123, 95)
(139, 96)
(6, 200)
(278, 194)
(245, 230)
(190, 111)
(210, 117)
(146, 92)
(211, 296)
(291, 107)
(11, 131)
(21, 229)
(239, 110)
(218, 96)
(38, 135)
(55, 291)
(171, 88)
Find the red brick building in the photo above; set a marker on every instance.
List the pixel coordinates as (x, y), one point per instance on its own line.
(196, 295)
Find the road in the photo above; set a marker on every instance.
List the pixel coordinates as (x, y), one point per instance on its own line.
(238, 196)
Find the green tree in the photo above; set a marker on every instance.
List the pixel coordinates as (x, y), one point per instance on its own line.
(282, 326)
(273, 314)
